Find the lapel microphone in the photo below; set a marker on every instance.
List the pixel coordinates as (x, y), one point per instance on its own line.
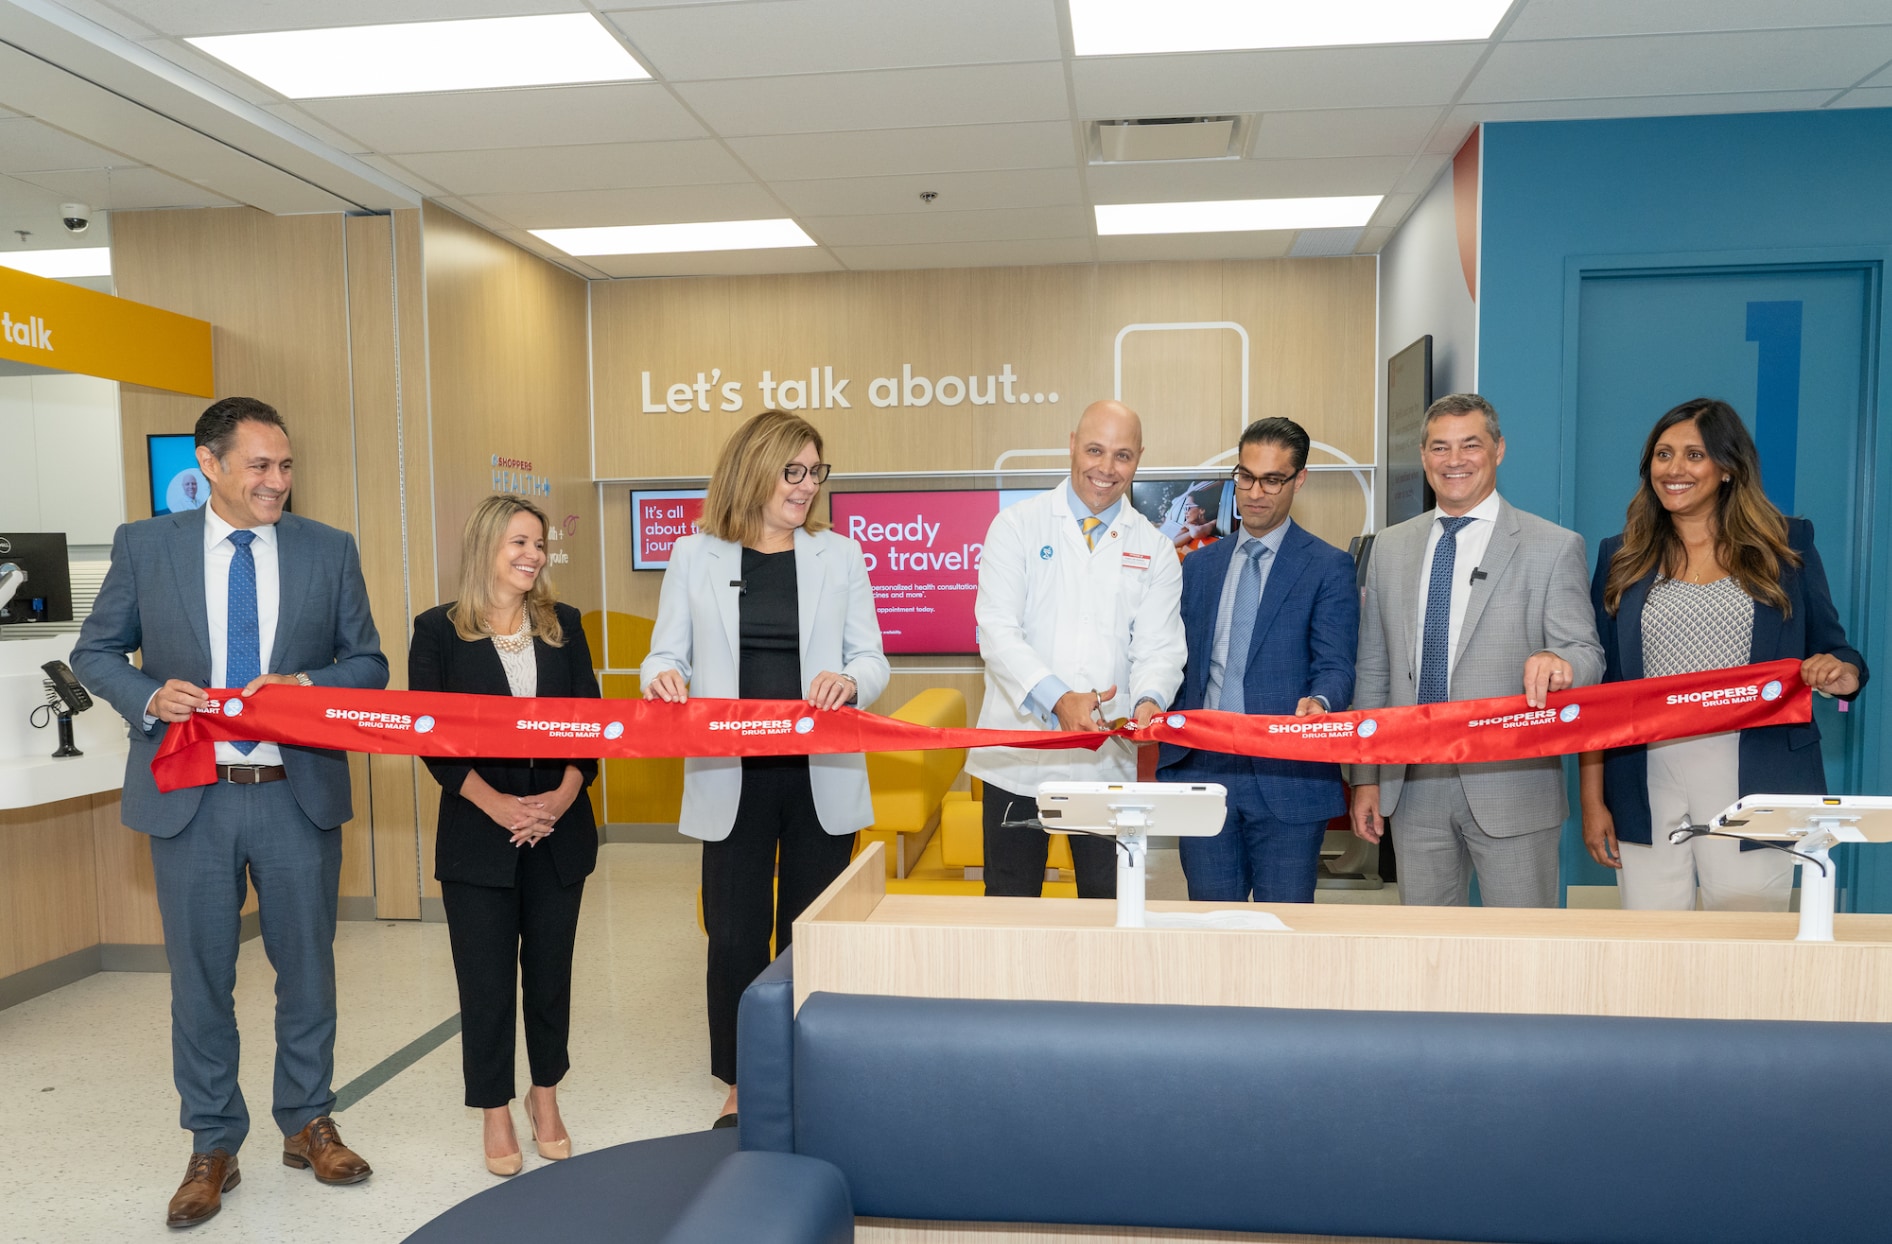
(741, 586)
(1478, 574)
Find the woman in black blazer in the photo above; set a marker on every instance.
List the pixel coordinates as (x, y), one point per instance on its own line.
(517, 838)
(1707, 574)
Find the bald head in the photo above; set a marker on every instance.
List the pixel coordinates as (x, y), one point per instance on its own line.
(1105, 450)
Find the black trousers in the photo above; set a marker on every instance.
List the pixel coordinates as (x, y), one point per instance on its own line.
(1015, 857)
(530, 926)
(741, 906)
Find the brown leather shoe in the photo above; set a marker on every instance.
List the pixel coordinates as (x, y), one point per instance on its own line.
(200, 1196)
(319, 1147)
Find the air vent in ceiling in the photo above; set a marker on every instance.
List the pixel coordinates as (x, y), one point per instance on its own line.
(1145, 139)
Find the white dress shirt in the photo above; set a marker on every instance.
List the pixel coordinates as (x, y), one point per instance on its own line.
(218, 551)
(1473, 539)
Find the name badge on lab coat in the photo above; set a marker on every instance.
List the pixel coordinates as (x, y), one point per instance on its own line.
(1136, 561)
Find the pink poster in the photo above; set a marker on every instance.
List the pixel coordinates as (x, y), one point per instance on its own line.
(922, 551)
(658, 520)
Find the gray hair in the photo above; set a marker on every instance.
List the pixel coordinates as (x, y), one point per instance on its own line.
(1464, 404)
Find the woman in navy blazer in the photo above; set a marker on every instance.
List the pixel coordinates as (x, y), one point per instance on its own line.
(1707, 574)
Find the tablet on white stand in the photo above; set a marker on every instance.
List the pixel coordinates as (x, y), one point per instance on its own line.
(1808, 826)
(1129, 812)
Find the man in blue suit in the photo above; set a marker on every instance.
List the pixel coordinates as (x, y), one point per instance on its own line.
(239, 594)
(1273, 618)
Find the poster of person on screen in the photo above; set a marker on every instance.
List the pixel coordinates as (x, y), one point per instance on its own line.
(1183, 510)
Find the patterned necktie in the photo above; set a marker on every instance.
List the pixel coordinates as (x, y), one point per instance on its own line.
(1090, 526)
(1241, 629)
(1435, 654)
(242, 658)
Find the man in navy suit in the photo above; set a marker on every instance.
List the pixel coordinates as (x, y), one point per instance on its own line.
(1273, 619)
(239, 594)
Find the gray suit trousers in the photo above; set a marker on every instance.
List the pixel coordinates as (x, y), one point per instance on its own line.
(258, 833)
(1440, 844)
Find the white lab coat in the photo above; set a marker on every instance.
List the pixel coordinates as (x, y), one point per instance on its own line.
(1095, 618)
(696, 634)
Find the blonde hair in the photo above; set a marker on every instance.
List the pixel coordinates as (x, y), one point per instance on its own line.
(748, 471)
(479, 547)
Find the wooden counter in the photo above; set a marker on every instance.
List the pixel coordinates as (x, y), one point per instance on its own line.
(856, 938)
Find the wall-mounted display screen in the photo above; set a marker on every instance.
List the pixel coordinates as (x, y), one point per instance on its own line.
(176, 483)
(35, 577)
(1191, 512)
(659, 518)
(922, 551)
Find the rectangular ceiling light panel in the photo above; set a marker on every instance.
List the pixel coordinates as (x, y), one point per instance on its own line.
(1133, 27)
(66, 262)
(1236, 215)
(708, 235)
(414, 57)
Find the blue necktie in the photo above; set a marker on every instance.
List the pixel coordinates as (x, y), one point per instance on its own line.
(1241, 629)
(243, 650)
(1435, 655)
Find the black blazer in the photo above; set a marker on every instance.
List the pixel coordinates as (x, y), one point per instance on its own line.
(469, 846)
(1775, 760)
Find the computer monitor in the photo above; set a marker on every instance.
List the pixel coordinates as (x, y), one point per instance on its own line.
(35, 569)
(176, 483)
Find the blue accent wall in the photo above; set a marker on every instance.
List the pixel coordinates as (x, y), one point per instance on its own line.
(1769, 188)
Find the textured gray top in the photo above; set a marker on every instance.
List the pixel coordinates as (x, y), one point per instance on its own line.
(1691, 627)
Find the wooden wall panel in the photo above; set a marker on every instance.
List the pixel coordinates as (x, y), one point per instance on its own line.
(127, 890)
(49, 904)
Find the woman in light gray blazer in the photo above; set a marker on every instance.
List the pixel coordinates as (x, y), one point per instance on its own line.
(764, 604)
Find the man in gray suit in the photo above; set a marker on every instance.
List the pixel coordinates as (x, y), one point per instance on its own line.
(1470, 600)
(239, 594)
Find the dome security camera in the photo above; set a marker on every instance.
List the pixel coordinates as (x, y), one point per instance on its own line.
(76, 217)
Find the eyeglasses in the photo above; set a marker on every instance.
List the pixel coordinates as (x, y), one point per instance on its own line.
(1270, 484)
(795, 472)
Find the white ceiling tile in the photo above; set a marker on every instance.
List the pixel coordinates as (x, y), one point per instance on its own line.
(1215, 82)
(1450, 136)
(1577, 19)
(832, 36)
(406, 176)
(110, 16)
(961, 95)
(718, 263)
(28, 146)
(659, 205)
(1261, 244)
(1419, 178)
(318, 129)
(540, 116)
(1244, 179)
(1866, 97)
(1372, 238)
(604, 167)
(1640, 106)
(1784, 60)
(967, 254)
(908, 228)
(958, 192)
(126, 189)
(1882, 78)
(945, 149)
(217, 17)
(1342, 132)
(1392, 210)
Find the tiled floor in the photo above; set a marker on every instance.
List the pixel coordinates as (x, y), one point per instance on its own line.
(87, 1105)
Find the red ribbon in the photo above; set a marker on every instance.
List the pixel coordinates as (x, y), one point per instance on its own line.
(417, 723)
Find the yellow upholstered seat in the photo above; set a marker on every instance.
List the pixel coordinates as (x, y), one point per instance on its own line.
(907, 787)
(962, 832)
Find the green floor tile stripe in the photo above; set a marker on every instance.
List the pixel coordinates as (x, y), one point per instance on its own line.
(397, 1062)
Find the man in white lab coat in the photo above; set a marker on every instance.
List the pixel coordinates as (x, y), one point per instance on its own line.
(1080, 623)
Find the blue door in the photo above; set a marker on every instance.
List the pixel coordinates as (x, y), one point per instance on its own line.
(1792, 349)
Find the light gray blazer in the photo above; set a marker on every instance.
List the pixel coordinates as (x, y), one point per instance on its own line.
(153, 601)
(1534, 597)
(697, 635)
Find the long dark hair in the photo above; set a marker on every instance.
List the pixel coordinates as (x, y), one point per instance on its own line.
(1750, 532)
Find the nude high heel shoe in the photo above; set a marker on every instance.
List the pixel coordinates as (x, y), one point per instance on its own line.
(508, 1164)
(550, 1150)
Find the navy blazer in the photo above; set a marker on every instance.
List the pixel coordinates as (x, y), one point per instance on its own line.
(1775, 760)
(468, 846)
(1307, 631)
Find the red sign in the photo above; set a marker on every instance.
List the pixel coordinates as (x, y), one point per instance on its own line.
(658, 520)
(922, 552)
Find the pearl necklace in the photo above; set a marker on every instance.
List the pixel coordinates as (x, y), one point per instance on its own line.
(520, 639)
